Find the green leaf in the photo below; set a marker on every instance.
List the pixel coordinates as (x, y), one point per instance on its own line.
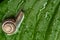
(41, 20)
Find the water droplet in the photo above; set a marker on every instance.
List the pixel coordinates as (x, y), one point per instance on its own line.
(46, 14)
(44, 6)
(38, 17)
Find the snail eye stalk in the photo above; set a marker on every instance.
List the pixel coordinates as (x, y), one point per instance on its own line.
(11, 26)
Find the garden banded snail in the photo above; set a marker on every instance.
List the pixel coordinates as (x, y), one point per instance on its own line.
(10, 26)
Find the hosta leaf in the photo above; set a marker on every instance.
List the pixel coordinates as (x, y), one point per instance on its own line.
(41, 20)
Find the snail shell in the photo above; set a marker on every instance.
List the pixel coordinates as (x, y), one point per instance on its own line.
(9, 26)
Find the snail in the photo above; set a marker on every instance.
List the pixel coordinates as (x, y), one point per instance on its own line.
(10, 26)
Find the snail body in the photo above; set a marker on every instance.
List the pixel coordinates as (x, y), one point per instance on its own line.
(10, 26)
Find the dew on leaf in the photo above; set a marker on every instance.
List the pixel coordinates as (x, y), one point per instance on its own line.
(47, 15)
(43, 6)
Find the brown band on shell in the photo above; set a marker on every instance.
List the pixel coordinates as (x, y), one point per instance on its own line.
(9, 26)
